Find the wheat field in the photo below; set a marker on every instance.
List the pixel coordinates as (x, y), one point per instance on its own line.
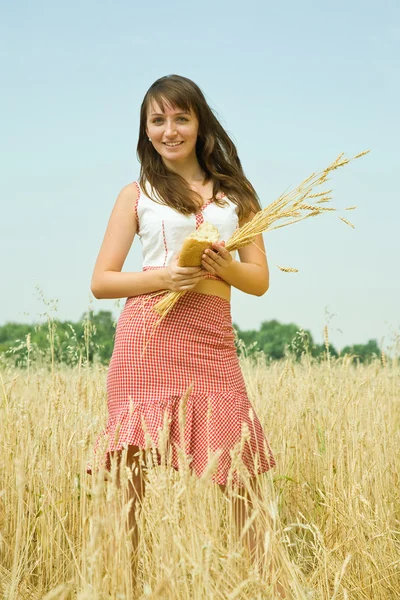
(332, 500)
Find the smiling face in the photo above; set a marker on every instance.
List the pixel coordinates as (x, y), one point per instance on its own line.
(173, 132)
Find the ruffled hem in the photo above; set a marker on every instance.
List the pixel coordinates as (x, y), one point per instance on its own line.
(219, 436)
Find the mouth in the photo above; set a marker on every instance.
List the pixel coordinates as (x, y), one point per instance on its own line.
(172, 144)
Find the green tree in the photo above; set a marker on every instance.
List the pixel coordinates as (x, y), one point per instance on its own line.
(92, 337)
(363, 352)
(104, 323)
(276, 339)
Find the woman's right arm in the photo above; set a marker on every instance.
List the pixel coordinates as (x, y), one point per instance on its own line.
(109, 282)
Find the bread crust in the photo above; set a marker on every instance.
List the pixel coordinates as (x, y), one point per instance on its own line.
(192, 251)
(194, 245)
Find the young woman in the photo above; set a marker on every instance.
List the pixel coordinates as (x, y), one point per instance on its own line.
(190, 173)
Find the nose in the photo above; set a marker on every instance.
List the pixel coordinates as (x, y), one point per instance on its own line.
(170, 128)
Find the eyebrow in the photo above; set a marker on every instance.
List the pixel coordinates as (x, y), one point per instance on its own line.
(162, 114)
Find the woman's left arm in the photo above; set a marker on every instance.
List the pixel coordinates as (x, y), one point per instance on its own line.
(250, 275)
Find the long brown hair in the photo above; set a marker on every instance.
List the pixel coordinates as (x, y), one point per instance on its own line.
(216, 153)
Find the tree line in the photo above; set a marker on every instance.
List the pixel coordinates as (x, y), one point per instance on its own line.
(92, 339)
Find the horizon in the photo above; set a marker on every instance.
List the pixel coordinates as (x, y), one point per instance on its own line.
(293, 85)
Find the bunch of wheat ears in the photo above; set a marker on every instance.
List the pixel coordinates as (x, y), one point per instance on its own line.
(291, 207)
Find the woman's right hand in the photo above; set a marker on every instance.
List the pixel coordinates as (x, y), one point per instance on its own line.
(181, 279)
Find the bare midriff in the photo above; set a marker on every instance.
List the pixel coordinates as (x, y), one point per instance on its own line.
(213, 287)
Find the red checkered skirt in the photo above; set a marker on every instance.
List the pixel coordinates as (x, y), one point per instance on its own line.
(181, 384)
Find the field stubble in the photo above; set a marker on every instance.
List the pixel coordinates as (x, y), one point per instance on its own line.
(332, 500)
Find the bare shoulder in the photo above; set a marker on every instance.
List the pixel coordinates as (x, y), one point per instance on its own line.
(125, 204)
(124, 215)
(129, 194)
(120, 232)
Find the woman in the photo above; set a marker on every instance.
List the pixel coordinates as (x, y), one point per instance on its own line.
(190, 173)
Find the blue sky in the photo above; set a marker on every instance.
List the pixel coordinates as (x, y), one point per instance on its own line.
(294, 83)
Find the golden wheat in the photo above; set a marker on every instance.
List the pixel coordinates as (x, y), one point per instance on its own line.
(288, 269)
(289, 208)
(333, 498)
(347, 222)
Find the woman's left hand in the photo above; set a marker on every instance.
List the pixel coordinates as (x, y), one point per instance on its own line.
(217, 260)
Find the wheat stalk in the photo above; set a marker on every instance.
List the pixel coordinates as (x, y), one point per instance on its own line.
(347, 222)
(287, 269)
(291, 207)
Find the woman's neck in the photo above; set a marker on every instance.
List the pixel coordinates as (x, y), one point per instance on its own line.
(190, 170)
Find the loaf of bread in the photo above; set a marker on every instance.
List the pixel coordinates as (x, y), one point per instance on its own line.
(195, 244)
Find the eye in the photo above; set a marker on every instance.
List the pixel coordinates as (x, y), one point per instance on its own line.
(182, 119)
(157, 120)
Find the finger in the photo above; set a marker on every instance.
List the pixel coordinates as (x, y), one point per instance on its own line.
(214, 256)
(188, 270)
(209, 261)
(209, 267)
(188, 286)
(220, 249)
(190, 280)
(226, 257)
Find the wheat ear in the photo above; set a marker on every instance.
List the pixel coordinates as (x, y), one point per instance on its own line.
(291, 207)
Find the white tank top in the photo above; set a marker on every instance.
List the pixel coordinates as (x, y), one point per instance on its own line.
(162, 229)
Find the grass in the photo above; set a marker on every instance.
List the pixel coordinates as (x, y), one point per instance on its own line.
(333, 499)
